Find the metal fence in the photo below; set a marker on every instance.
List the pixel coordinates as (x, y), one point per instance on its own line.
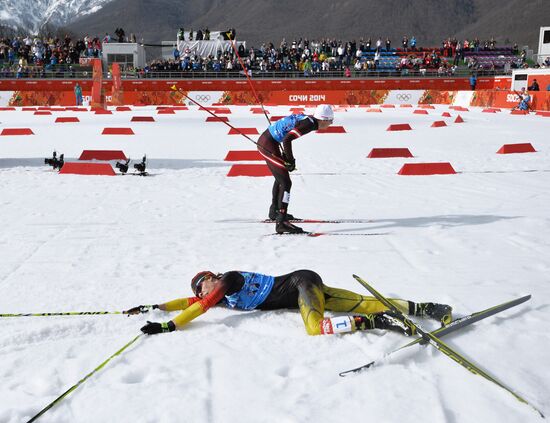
(65, 73)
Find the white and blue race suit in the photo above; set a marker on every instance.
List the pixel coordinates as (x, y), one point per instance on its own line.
(279, 129)
(255, 289)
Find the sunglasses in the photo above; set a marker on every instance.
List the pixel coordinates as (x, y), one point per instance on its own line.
(198, 287)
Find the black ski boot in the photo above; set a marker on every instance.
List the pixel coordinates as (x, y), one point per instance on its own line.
(441, 312)
(365, 322)
(273, 214)
(282, 225)
(392, 321)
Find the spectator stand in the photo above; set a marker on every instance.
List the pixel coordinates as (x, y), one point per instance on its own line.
(193, 44)
(498, 58)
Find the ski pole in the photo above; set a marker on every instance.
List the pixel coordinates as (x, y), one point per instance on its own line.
(267, 152)
(67, 313)
(248, 77)
(81, 381)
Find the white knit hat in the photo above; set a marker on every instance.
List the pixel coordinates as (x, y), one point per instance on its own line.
(324, 112)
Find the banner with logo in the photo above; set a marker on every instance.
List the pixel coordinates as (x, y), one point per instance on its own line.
(163, 96)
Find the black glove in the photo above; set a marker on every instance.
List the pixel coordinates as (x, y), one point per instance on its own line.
(141, 309)
(290, 164)
(152, 328)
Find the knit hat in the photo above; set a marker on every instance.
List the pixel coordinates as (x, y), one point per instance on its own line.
(324, 112)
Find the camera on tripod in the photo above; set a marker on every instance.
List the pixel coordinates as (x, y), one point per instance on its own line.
(54, 161)
(140, 167)
(123, 167)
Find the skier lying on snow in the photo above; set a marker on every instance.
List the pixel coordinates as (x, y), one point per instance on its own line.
(303, 289)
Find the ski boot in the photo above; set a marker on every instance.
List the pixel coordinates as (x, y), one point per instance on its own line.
(387, 320)
(282, 225)
(392, 321)
(273, 214)
(441, 312)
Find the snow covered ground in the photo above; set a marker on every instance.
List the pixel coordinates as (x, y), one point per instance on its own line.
(91, 243)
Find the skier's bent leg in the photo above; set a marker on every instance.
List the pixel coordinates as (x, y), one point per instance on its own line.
(269, 149)
(342, 300)
(311, 300)
(274, 200)
(285, 184)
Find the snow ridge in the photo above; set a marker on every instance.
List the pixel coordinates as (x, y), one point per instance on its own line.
(31, 15)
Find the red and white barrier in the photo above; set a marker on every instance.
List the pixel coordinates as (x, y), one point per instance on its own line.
(256, 170)
(376, 153)
(104, 155)
(444, 168)
(76, 168)
(243, 155)
(67, 119)
(16, 131)
(117, 131)
(517, 148)
(399, 127)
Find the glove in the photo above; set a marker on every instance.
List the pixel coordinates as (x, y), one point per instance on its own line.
(290, 164)
(152, 328)
(141, 309)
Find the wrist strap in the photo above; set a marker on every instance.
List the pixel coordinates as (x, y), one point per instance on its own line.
(168, 326)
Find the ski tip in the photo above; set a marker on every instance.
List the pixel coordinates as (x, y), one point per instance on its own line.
(523, 299)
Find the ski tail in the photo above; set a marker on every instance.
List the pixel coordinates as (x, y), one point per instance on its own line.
(451, 327)
(443, 347)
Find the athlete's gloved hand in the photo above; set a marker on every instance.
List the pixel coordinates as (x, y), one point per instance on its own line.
(141, 309)
(290, 164)
(152, 328)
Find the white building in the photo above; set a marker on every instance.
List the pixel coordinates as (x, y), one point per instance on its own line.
(544, 44)
(127, 54)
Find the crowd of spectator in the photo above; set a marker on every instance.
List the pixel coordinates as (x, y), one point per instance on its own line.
(33, 56)
(311, 58)
(204, 34)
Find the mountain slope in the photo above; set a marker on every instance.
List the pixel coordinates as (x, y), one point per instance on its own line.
(270, 21)
(31, 15)
(430, 21)
(517, 20)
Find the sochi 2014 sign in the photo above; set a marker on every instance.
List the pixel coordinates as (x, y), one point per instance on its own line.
(306, 98)
(512, 98)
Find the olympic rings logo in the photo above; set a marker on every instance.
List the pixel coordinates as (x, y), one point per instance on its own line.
(201, 97)
(403, 97)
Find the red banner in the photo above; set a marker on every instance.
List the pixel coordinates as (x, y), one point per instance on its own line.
(504, 99)
(438, 84)
(98, 98)
(117, 97)
(540, 100)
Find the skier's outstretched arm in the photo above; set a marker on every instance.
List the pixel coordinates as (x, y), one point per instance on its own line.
(173, 305)
(195, 307)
